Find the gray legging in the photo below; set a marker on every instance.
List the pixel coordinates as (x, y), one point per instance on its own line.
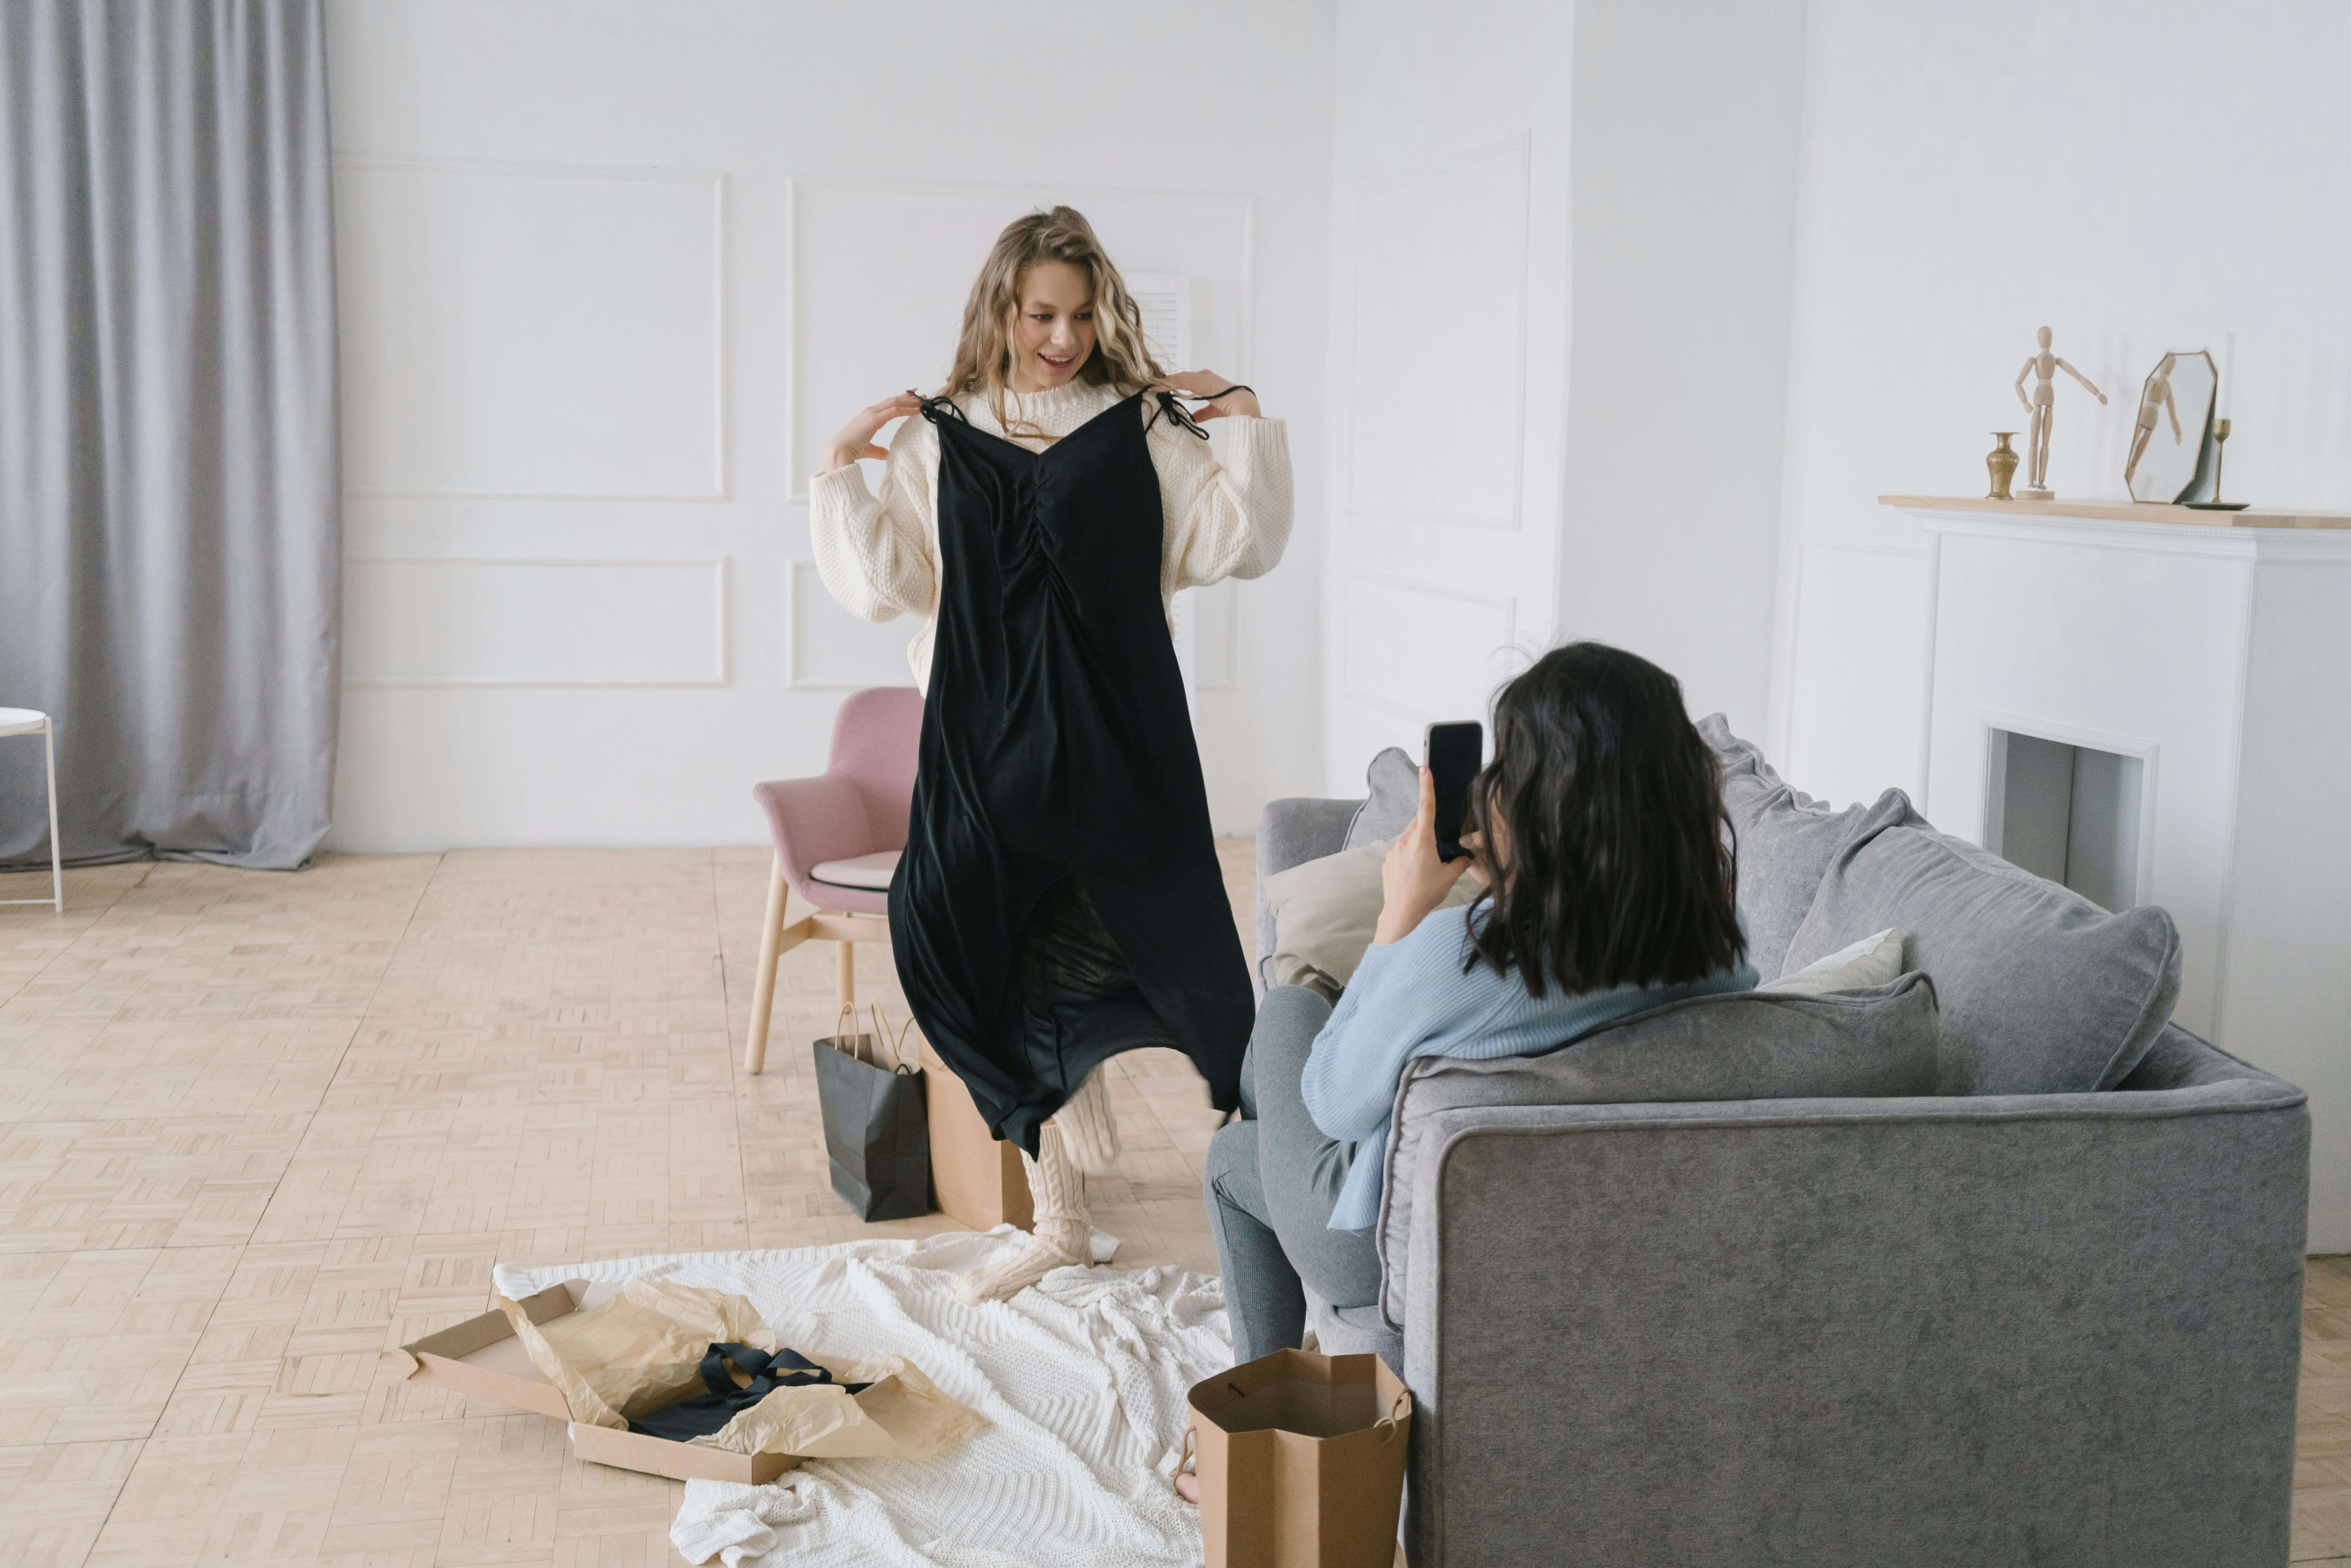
(1272, 1178)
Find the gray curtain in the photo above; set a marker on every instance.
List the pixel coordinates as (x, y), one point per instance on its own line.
(170, 526)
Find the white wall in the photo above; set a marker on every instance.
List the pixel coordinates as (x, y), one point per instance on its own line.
(1448, 360)
(2139, 178)
(1686, 125)
(611, 271)
(1560, 269)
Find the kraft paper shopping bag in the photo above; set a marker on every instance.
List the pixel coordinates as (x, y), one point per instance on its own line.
(1301, 1462)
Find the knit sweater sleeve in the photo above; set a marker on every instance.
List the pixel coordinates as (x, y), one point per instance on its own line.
(879, 554)
(1406, 1000)
(1229, 519)
(1417, 998)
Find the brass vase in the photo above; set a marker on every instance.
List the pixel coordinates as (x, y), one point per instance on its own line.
(2001, 460)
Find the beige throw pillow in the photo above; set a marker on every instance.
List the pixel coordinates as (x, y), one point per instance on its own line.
(1324, 912)
(1869, 963)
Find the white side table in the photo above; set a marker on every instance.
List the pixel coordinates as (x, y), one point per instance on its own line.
(27, 721)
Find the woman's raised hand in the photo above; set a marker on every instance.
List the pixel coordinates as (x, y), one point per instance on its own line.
(1413, 880)
(1202, 382)
(856, 437)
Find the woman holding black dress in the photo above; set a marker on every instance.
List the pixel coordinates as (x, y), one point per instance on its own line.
(1060, 899)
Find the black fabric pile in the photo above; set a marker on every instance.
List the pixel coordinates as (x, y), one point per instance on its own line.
(703, 1414)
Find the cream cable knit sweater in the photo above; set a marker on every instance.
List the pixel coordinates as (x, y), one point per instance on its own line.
(880, 556)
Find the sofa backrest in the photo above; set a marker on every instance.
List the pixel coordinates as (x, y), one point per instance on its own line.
(2043, 992)
(1734, 1046)
(1392, 785)
(1785, 841)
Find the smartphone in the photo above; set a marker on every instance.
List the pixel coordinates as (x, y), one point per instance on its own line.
(1455, 751)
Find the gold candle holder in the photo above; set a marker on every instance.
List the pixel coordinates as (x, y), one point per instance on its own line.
(2220, 451)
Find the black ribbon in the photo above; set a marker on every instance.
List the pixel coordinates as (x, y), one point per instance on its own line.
(703, 1414)
(1183, 416)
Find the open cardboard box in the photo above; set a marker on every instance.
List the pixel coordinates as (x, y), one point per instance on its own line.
(481, 1357)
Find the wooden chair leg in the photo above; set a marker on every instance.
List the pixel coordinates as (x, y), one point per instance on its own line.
(845, 973)
(763, 992)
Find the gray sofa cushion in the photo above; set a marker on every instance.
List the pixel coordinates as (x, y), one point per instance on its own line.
(1394, 779)
(2045, 991)
(1786, 839)
(1743, 1045)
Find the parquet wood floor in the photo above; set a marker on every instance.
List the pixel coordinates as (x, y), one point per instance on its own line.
(256, 1129)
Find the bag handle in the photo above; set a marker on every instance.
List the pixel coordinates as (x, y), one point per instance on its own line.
(1185, 1456)
(1386, 1425)
(844, 1028)
(899, 1063)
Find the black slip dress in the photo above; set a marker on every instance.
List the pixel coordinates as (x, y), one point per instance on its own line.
(1059, 900)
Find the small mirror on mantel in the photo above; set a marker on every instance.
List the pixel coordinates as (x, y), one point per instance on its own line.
(2175, 422)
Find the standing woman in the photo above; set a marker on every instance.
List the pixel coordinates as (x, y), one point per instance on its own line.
(1060, 899)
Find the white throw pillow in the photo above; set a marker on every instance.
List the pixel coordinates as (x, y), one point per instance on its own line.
(1869, 963)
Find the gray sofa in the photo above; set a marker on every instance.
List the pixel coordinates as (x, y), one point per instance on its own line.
(1974, 1327)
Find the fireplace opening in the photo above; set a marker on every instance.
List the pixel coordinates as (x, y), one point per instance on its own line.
(2070, 813)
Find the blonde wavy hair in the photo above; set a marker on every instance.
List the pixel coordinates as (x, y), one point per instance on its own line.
(983, 359)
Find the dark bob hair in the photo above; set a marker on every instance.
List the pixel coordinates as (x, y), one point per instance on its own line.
(1619, 866)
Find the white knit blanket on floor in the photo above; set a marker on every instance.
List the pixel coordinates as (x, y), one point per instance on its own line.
(1082, 1380)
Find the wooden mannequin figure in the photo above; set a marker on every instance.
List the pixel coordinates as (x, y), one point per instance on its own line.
(2043, 366)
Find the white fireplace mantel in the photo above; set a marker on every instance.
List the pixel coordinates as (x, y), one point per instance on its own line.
(2216, 648)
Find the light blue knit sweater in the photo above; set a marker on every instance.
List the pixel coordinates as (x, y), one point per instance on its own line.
(1411, 998)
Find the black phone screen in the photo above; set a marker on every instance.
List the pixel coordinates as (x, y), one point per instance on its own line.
(1456, 752)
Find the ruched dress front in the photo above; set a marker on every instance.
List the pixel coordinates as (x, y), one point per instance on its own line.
(1060, 899)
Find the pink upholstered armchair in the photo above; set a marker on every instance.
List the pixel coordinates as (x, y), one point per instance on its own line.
(837, 843)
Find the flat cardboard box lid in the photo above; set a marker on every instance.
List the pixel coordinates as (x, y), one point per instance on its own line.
(481, 1358)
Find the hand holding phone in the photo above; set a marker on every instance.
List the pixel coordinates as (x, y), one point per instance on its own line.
(1414, 878)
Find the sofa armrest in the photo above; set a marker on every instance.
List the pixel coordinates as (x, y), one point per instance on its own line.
(1299, 829)
(2059, 1328)
(1291, 831)
(2178, 1059)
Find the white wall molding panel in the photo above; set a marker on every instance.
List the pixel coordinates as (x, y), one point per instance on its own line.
(828, 650)
(532, 331)
(605, 290)
(543, 623)
(1415, 651)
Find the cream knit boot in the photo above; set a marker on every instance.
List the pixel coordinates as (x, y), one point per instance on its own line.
(1058, 1236)
(1090, 1125)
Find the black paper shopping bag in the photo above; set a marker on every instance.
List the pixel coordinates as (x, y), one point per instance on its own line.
(876, 1129)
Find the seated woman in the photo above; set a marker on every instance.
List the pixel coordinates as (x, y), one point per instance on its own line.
(1609, 874)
